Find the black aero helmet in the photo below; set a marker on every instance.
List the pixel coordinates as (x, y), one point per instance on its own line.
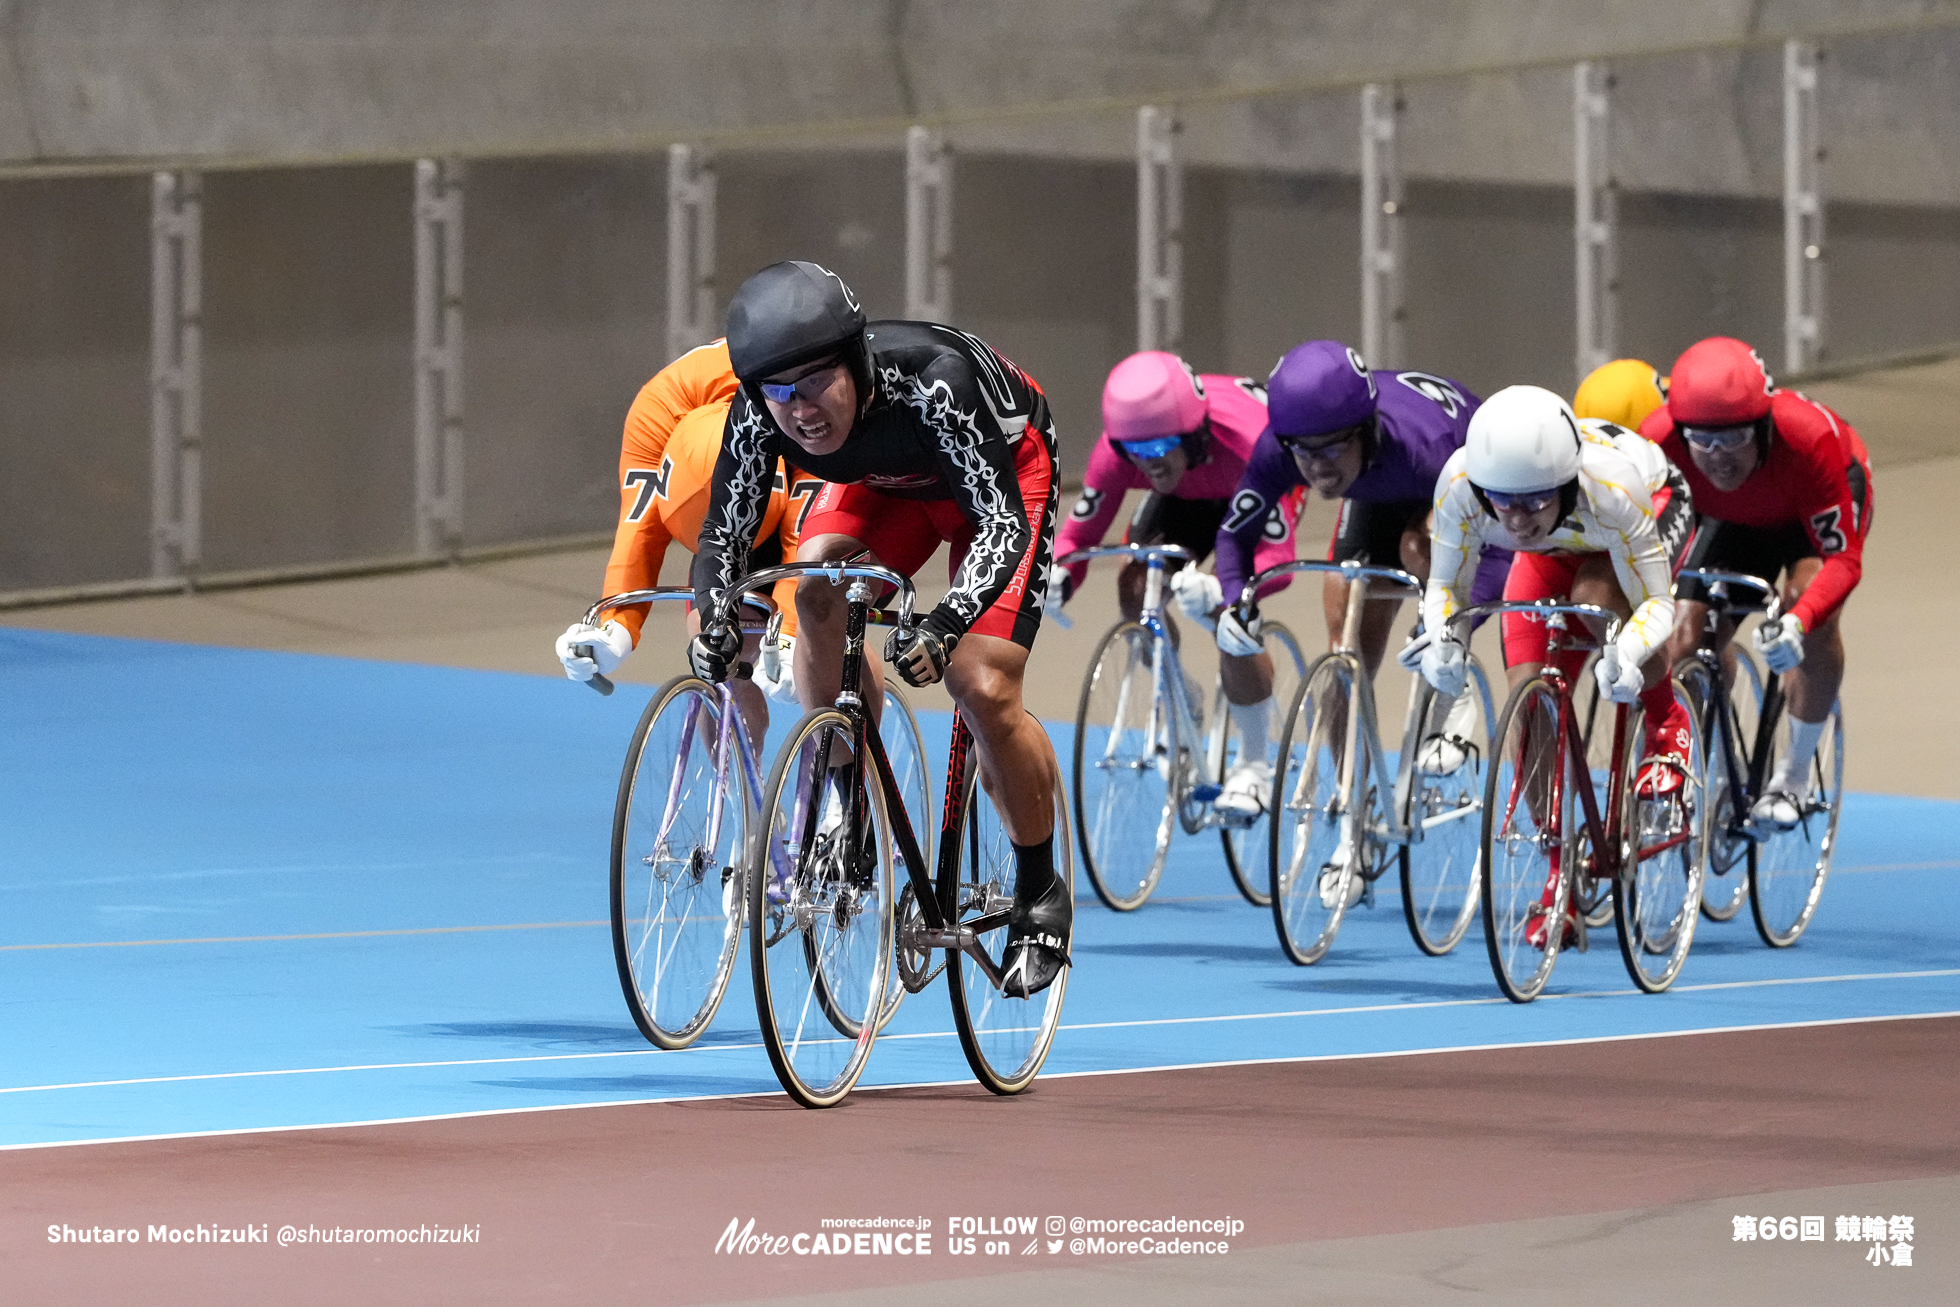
(792, 313)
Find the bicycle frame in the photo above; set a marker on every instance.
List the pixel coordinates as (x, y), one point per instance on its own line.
(938, 905)
(1167, 682)
(1608, 859)
(1390, 826)
(1744, 784)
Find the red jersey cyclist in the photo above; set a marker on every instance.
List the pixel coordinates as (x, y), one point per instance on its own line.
(925, 434)
(1784, 487)
(1592, 512)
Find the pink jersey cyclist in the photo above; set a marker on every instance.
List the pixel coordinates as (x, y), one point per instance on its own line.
(1185, 438)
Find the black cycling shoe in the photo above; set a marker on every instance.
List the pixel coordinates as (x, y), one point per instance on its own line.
(1037, 939)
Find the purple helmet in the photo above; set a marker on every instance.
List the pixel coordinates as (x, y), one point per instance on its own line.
(1319, 387)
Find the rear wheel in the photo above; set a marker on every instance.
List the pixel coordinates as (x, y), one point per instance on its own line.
(1787, 870)
(1440, 881)
(679, 829)
(1246, 846)
(820, 914)
(1725, 882)
(1528, 816)
(1313, 843)
(1005, 1039)
(905, 749)
(1126, 755)
(1657, 896)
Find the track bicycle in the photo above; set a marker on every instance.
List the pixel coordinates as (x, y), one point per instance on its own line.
(1549, 841)
(1143, 763)
(827, 932)
(1344, 817)
(681, 820)
(1784, 870)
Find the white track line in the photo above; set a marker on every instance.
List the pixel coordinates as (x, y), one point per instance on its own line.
(955, 1084)
(1086, 1025)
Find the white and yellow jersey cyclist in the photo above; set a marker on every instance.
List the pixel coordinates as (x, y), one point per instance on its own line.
(1594, 513)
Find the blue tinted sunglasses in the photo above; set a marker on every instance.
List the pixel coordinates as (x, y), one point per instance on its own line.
(809, 385)
(1536, 501)
(1719, 437)
(1146, 450)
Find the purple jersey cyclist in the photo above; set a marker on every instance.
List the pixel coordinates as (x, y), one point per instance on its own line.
(1374, 440)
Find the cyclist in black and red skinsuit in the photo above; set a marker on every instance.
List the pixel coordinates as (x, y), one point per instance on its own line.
(1783, 485)
(925, 434)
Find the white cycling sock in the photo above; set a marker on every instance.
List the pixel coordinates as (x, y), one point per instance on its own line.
(1255, 723)
(1461, 719)
(1793, 768)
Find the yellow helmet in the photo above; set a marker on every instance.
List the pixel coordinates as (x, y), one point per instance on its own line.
(1623, 391)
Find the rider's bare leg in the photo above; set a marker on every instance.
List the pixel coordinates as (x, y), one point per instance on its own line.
(1017, 761)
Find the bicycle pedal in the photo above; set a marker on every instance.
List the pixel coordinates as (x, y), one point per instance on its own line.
(1206, 793)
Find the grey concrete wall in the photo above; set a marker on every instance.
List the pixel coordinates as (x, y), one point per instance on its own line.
(104, 82)
(309, 292)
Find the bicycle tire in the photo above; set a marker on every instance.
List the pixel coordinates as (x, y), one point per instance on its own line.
(1124, 770)
(1312, 837)
(1725, 879)
(1657, 898)
(821, 953)
(675, 884)
(1006, 1040)
(1595, 897)
(1246, 845)
(1788, 869)
(1441, 881)
(1517, 866)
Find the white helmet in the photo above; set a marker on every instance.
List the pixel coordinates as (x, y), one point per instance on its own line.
(1523, 438)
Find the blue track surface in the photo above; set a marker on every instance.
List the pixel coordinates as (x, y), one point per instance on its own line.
(437, 840)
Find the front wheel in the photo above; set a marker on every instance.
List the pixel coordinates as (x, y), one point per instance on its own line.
(1787, 869)
(1725, 878)
(1657, 895)
(1126, 755)
(1245, 846)
(1005, 1039)
(1529, 809)
(1314, 844)
(820, 917)
(1440, 881)
(679, 828)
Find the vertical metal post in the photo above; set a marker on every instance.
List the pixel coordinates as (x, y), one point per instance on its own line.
(1382, 305)
(176, 373)
(928, 226)
(1595, 219)
(1160, 230)
(438, 356)
(690, 248)
(1803, 209)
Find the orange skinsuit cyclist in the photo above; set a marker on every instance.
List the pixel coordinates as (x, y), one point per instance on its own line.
(666, 468)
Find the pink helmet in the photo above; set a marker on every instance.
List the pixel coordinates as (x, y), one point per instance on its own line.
(1150, 395)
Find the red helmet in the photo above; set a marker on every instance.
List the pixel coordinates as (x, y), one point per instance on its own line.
(1719, 382)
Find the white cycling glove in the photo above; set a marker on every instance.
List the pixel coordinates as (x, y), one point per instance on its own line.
(775, 670)
(1198, 595)
(1781, 643)
(1445, 666)
(1411, 653)
(589, 651)
(1061, 588)
(1619, 676)
(1240, 637)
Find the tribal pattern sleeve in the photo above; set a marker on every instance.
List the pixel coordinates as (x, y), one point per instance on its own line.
(743, 474)
(973, 413)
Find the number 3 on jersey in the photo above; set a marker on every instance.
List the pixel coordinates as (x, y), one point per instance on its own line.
(651, 484)
(1830, 540)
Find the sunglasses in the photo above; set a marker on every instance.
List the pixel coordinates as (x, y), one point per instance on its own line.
(1323, 448)
(1148, 450)
(1535, 502)
(1723, 438)
(809, 385)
